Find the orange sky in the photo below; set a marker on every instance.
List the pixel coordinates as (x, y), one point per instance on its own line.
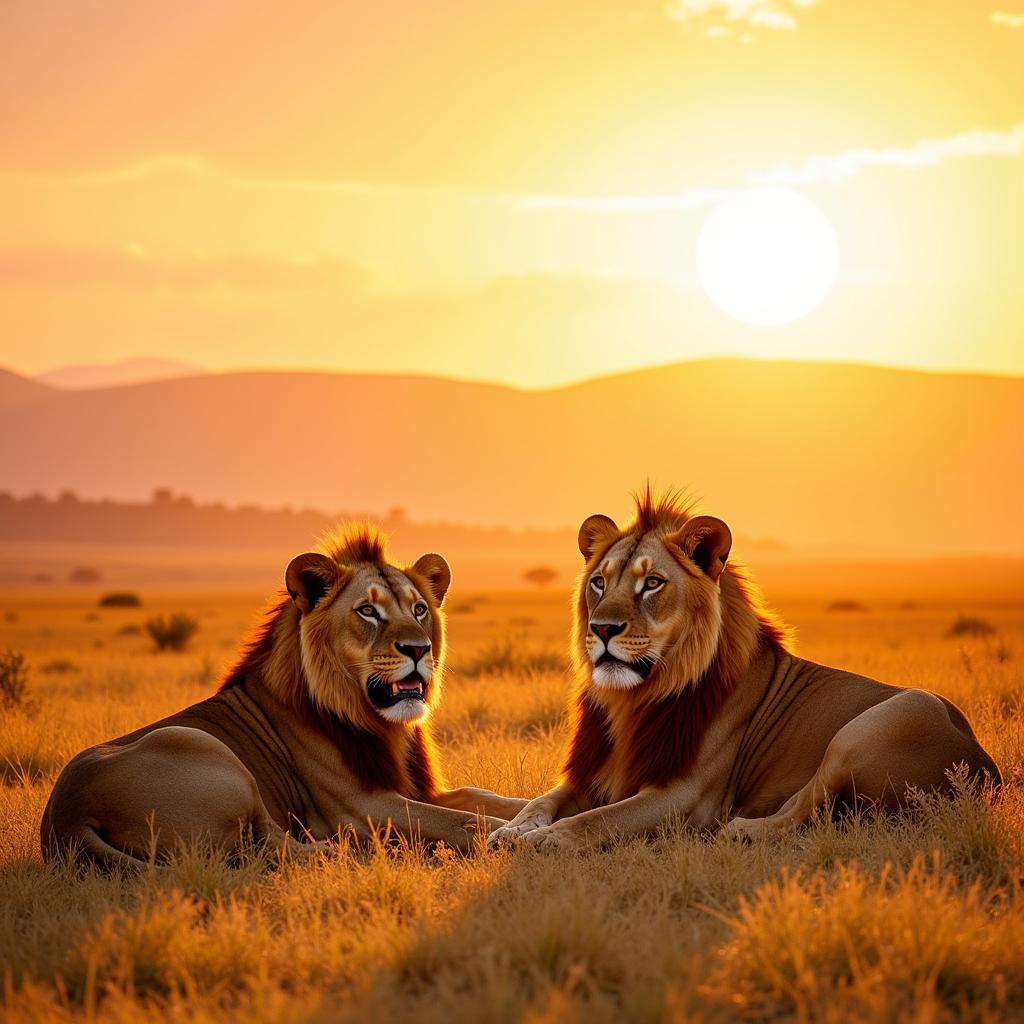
(507, 191)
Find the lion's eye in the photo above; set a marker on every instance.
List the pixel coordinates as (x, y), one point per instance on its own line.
(420, 610)
(367, 611)
(653, 583)
(597, 582)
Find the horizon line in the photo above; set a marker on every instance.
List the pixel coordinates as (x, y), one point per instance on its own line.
(198, 372)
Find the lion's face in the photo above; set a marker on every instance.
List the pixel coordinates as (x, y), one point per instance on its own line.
(373, 640)
(650, 601)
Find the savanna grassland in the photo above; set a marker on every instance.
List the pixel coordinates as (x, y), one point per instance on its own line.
(918, 919)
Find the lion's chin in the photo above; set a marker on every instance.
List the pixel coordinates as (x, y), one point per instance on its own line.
(615, 675)
(406, 712)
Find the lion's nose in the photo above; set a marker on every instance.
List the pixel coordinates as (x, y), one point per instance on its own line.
(606, 630)
(414, 651)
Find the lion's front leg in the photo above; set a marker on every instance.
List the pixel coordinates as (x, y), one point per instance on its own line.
(480, 801)
(636, 815)
(418, 821)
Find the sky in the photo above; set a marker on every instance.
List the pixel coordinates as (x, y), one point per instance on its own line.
(507, 191)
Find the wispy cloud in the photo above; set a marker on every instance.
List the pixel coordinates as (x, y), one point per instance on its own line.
(770, 14)
(927, 153)
(836, 167)
(1006, 19)
(134, 267)
(688, 200)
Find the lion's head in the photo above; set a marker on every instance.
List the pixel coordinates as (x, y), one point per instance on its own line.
(371, 634)
(649, 602)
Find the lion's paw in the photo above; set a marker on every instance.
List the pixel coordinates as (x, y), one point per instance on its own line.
(745, 829)
(550, 837)
(516, 831)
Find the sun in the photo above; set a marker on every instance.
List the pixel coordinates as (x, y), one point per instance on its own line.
(767, 255)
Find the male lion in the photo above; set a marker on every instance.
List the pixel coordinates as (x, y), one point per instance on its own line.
(689, 706)
(319, 727)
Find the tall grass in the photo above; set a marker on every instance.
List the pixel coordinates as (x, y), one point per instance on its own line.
(915, 918)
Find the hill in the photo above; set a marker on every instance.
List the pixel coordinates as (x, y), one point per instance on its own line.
(839, 459)
(128, 371)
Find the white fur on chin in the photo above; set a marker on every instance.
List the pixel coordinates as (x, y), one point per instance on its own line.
(406, 711)
(615, 676)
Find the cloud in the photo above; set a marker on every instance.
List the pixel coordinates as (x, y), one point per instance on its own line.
(833, 168)
(1007, 20)
(133, 267)
(928, 153)
(689, 200)
(770, 14)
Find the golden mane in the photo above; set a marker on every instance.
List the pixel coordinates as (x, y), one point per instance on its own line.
(663, 514)
(353, 543)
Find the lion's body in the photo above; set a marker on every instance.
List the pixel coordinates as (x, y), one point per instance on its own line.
(689, 705)
(275, 755)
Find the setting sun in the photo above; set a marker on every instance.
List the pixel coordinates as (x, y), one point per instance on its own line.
(767, 256)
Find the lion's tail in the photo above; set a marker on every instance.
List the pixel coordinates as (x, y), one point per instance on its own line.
(84, 845)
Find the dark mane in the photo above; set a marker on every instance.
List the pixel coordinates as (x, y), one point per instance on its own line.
(256, 647)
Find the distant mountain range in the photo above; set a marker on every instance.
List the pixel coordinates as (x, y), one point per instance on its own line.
(858, 460)
(106, 375)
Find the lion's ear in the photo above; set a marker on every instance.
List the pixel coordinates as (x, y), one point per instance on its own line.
(595, 531)
(308, 577)
(434, 571)
(706, 541)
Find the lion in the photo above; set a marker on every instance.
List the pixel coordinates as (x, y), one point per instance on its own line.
(320, 728)
(689, 704)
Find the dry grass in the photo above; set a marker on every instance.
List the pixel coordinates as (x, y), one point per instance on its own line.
(917, 919)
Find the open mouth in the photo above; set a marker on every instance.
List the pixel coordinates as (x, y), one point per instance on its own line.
(386, 693)
(642, 666)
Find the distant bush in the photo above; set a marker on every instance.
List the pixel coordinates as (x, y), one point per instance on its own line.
(130, 629)
(970, 625)
(173, 632)
(541, 576)
(58, 667)
(846, 605)
(505, 657)
(42, 577)
(120, 599)
(13, 679)
(85, 574)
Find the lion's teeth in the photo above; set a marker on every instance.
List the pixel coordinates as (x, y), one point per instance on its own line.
(394, 689)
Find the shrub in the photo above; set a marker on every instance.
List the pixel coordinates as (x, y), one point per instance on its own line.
(541, 576)
(58, 667)
(130, 629)
(846, 605)
(970, 625)
(13, 679)
(173, 632)
(84, 574)
(120, 599)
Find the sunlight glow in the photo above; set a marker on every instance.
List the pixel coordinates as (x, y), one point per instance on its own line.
(767, 256)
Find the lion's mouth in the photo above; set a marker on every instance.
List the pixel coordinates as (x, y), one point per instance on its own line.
(385, 693)
(642, 666)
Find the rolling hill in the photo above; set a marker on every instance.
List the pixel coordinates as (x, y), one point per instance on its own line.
(860, 460)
